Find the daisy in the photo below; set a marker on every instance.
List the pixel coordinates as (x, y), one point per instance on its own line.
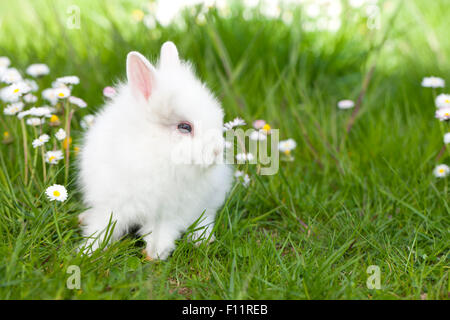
(87, 121)
(32, 84)
(38, 70)
(109, 92)
(12, 109)
(54, 120)
(40, 112)
(78, 102)
(259, 124)
(246, 181)
(35, 122)
(53, 157)
(235, 123)
(56, 192)
(10, 76)
(443, 114)
(345, 104)
(258, 135)
(443, 100)
(243, 177)
(60, 134)
(17, 89)
(4, 62)
(40, 141)
(62, 93)
(242, 157)
(447, 138)
(441, 170)
(30, 98)
(433, 82)
(286, 146)
(68, 80)
(50, 95)
(238, 174)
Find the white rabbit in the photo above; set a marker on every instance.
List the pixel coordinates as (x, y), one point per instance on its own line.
(153, 157)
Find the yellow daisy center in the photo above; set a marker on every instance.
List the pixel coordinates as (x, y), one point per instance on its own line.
(441, 170)
(65, 142)
(54, 118)
(447, 114)
(266, 127)
(16, 90)
(447, 101)
(287, 152)
(56, 193)
(50, 159)
(61, 94)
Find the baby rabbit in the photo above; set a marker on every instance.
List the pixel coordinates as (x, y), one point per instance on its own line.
(154, 157)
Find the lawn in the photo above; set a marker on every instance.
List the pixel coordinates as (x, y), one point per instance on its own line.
(357, 191)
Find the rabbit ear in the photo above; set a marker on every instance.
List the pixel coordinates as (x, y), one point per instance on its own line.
(140, 74)
(169, 54)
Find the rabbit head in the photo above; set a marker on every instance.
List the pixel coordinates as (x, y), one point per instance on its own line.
(187, 116)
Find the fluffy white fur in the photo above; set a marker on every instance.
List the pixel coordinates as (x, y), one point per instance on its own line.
(127, 164)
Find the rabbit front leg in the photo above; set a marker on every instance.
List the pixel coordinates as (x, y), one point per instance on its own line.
(161, 241)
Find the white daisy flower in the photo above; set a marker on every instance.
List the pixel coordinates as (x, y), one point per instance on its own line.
(241, 157)
(40, 141)
(5, 96)
(433, 82)
(14, 108)
(68, 80)
(87, 121)
(243, 177)
(53, 157)
(10, 76)
(56, 192)
(30, 98)
(443, 100)
(443, 114)
(246, 181)
(345, 104)
(235, 123)
(62, 93)
(40, 112)
(441, 170)
(4, 62)
(447, 138)
(50, 95)
(78, 102)
(38, 70)
(35, 122)
(16, 90)
(32, 84)
(286, 146)
(60, 134)
(238, 174)
(259, 135)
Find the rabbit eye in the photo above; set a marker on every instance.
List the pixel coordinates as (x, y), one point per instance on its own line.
(184, 127)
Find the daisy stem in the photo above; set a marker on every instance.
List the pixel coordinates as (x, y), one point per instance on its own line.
(33, 168)
(25, 150)
(69, 114)
(44, 167)
(56, 223)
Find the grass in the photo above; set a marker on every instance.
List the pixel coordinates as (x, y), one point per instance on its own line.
(346, 202)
